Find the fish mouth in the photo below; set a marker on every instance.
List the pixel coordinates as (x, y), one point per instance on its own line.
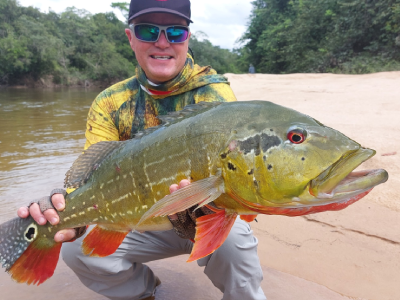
(340, 182)
(334, 189)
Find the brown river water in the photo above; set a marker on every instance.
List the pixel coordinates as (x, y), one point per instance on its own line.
(41, 134)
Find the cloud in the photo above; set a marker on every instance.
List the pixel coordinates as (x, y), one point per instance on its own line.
(224, 21)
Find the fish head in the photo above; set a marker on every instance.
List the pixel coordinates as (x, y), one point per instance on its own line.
(294, 165)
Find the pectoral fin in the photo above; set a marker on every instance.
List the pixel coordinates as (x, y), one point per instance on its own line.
(211, 232)
(199, 192)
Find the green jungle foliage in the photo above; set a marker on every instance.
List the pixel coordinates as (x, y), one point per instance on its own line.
(205, 53)
(72, 47)
(76, 46)
(346, 36)
(283, 36)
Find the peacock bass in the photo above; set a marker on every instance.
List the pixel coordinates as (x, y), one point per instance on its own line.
(247, 158)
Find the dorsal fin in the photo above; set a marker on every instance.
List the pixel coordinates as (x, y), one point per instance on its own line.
(88, 162)
(92, 157)
(188, 111)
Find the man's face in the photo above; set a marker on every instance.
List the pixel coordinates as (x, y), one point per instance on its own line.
(159, 70)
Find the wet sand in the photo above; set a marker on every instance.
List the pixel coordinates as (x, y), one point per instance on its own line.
(350, 254)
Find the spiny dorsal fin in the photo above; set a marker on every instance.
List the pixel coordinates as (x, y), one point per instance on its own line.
(88, 162)
(176, 116)
(188, 111)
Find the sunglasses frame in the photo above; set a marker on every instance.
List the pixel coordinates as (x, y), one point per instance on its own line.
(161, 28)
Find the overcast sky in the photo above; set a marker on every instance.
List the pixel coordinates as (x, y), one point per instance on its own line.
(224, 21)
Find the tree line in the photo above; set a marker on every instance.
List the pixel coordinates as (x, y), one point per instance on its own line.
(283, 36)
(343, 36)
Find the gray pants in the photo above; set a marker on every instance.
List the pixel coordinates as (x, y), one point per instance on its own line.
(234, 268)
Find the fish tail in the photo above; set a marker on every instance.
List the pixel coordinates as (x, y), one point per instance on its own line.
(27, 255)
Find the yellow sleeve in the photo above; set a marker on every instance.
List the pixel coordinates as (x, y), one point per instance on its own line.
(100, 123)
(220, 92)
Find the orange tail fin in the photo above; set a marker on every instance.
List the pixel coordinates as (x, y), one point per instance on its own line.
(36, 264)
(211, 231)
(102, 242)
(26, 254)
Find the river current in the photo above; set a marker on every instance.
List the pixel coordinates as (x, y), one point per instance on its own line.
(41, 134)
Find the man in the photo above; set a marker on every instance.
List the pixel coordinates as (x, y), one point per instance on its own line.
(166, 80)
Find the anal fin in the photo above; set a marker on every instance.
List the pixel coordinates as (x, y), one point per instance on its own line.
(248, 218)
(211, 232)
(102, 242)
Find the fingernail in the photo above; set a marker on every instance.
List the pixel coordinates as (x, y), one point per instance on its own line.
(59, 206)
(42, 220)
(54, 220)
(61, 236)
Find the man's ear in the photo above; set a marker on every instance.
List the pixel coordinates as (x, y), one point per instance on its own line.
(131, 38)
(129, 34)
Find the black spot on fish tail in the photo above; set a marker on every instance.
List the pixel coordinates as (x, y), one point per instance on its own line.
(231, 167)
(269, 167)
(269, 141)
(251, 172)
(30, 233)
(303, 158)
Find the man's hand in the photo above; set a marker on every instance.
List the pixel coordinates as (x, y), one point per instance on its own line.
(50, 215)
(174, 188)
(184, 223)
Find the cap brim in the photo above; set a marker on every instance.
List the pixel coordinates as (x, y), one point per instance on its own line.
(159, 10)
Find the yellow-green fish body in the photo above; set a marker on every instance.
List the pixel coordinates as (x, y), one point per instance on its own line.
(246, 157)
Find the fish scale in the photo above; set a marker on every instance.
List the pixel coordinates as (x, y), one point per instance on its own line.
(246, 157)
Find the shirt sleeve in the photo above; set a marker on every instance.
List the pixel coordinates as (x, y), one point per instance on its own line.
(100, 124)
(215, 92)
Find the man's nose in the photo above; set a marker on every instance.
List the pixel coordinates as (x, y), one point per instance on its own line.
(162, 41)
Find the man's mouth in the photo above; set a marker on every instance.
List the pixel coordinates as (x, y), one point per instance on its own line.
(165, 57)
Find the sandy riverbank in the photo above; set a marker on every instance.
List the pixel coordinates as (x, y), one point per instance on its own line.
(351, 254)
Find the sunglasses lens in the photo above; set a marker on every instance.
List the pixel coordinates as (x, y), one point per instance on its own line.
(145, 32)
(177, 34)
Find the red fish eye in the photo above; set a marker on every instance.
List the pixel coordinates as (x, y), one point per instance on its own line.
(296, 137)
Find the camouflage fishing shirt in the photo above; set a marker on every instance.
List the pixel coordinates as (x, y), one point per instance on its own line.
(133, 104)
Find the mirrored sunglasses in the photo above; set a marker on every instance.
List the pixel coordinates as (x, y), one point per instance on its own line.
(151, 33)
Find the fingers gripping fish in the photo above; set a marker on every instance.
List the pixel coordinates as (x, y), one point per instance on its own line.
(247, 158)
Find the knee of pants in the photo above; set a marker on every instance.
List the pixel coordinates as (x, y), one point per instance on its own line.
(239, 243)
(70, 253)
(240, 248)
(235, 264)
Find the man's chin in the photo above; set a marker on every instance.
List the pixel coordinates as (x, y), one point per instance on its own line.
(159, 75)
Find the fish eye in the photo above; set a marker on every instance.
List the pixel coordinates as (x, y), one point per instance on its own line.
(296, 136)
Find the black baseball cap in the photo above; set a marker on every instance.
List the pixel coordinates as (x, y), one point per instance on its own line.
(176, 7)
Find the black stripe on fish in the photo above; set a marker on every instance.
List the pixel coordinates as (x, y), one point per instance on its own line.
(259, 143)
